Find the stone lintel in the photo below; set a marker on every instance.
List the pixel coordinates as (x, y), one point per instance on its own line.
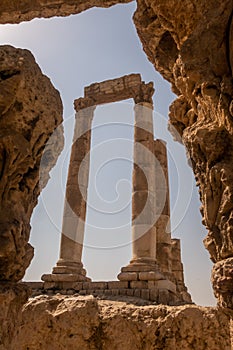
(114, 90)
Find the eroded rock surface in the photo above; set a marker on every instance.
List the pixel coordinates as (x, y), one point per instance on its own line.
(57, 323)
(30, 110)
(190, 44)
(12, 298)
(18, 11)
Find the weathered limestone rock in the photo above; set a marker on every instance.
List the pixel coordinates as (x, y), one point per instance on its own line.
(190, 44)
(59, 323)
(12, 298)
(18, 11)
(222, 277)
(30, 110)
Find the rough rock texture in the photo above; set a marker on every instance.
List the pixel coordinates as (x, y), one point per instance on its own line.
(191, 45)
(12, 299)
(14, 11)
(30, 110)
(57, 323)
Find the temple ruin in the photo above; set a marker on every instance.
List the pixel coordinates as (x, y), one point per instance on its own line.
(190, 44)
(155, 271)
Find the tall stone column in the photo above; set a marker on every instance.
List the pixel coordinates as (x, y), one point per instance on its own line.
(168, 251)
(143, 197)
(69, 266)
(162, 225)
(144, 211)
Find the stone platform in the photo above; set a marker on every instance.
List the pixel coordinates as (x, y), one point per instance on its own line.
(161, 291)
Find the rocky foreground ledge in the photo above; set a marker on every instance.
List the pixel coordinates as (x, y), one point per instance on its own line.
(84, 322)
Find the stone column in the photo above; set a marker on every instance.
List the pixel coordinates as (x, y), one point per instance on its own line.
(168, 252)
(162, 225)
(144, 213)
(143, 197)
(69, 266)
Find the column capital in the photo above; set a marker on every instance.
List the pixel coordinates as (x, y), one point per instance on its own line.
(145, 94)
(83, 102)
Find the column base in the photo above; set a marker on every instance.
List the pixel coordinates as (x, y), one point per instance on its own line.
(144, 273)
(142, 269)
(67, 271)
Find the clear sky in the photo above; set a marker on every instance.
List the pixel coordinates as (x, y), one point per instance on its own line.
(74, 52)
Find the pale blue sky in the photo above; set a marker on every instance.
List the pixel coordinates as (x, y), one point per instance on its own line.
(74, 52)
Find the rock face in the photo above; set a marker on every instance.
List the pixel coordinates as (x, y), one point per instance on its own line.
(16, 12)
(57, 323)
(12, 298)
(191, 45)
(30, 110)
